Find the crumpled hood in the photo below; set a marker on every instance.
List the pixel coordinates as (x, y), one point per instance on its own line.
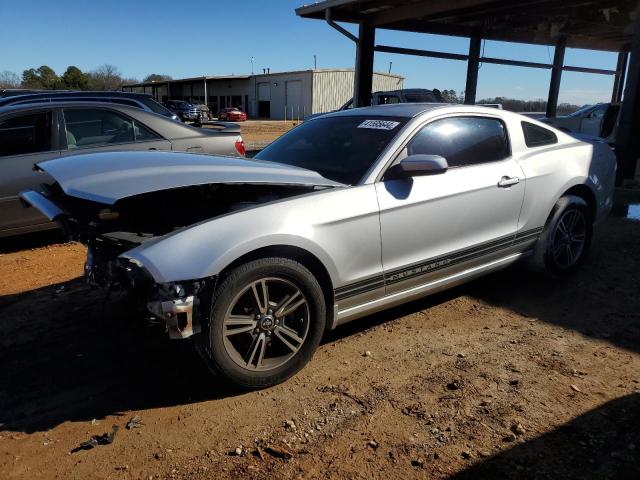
(110, 176)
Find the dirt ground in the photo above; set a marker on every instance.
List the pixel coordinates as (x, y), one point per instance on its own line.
(257, 134)
(511, 376)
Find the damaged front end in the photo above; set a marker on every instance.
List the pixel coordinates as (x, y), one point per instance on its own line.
(117, 202)
(175, 304)
(110, 231)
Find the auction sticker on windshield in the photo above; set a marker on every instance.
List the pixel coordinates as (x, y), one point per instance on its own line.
(379, 124)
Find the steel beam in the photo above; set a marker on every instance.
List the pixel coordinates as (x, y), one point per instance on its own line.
(342, 30)
(627, 138)
(364, 65)
(618, 83)
(556, 77)
(472, 70)
(420, 53)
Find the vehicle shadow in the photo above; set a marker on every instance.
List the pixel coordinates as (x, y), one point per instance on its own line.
(602, 443)
(69, 355)
(31, 240)
(600, 300)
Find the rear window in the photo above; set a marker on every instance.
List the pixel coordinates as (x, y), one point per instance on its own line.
(338, 148)
(536, 136)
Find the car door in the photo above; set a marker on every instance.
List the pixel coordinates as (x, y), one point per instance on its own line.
(26, 138)
(103, 129)
(433, 226)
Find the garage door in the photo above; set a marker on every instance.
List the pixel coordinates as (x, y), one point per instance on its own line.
(264, 92)
(293, 100)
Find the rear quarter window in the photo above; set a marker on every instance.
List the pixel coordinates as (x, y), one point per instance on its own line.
(536, 136)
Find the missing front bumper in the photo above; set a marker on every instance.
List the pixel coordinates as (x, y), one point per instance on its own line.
(178, 315)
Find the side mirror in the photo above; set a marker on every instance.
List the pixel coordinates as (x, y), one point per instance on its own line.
(418, 165)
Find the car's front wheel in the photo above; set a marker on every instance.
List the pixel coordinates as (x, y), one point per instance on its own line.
(263, 322)
(566, 238)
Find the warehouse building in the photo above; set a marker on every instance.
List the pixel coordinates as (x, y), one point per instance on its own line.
(278, 96)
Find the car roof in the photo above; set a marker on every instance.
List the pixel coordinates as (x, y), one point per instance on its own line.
(412, 110)
(61, 104)
(80, 93)
(71, 94)
(408, 110)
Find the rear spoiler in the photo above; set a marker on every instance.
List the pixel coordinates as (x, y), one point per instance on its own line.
(223, 127)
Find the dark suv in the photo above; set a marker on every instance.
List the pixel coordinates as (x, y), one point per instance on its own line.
(188, 111)
(143, 101)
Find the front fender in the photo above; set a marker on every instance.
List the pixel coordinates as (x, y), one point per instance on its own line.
(340, 227)
(209, 258)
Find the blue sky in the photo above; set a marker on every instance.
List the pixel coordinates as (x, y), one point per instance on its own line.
(212, 37)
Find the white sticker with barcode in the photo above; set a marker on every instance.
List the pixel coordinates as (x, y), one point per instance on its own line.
(379, 124)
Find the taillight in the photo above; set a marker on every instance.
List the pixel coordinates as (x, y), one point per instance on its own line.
(240, 146)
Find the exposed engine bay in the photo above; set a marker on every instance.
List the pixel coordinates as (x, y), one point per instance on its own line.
(110, 230)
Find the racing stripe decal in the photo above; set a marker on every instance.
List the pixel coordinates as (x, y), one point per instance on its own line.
(434, 264)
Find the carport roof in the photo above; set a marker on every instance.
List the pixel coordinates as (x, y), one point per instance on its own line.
(192, 79)
(590, 24)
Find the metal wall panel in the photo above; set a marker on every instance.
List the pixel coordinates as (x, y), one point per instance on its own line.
(332, 88)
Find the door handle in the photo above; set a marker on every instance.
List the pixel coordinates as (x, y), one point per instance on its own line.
(506, 182)
(152, 148)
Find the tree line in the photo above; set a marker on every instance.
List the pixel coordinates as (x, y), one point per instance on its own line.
(512, 104)
(105, 77)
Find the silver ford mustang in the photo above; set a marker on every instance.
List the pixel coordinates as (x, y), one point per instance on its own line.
(343, 216)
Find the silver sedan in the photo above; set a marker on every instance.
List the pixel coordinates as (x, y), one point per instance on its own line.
(345, 215)
(31, 133)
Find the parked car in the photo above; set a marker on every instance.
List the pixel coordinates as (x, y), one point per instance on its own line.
(232, 114)
(205, 113)
(143, 101)
(345, 215)
(31, 133)
(599, 120)
(407, 95)
(187, 111)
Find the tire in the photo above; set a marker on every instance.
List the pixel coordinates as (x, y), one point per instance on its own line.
(244, 339)
(565, 241)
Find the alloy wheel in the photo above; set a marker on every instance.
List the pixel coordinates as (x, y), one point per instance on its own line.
(569, 238)
(266, 324)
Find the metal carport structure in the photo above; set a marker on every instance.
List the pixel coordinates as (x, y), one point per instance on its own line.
(610, 25)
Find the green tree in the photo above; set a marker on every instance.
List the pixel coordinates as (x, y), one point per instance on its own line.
(41, 78)
(49, 79)
(156, 77)
(450, 96)
(74, 79)
(31, 79)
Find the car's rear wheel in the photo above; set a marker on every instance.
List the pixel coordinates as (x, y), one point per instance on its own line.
(264, 322)
(566, 238)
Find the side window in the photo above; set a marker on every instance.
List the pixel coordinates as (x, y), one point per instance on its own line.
(142, 133)
(25, 134)
(94, 127)
(388, 99)
(536, 136)
(463, 141)
(598, 112)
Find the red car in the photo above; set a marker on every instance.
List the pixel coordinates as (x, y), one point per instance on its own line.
(232, 114)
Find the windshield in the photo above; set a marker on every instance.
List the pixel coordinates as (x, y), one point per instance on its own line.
(338, 148)
(426, 97)
(580, 111)
(156, 107)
